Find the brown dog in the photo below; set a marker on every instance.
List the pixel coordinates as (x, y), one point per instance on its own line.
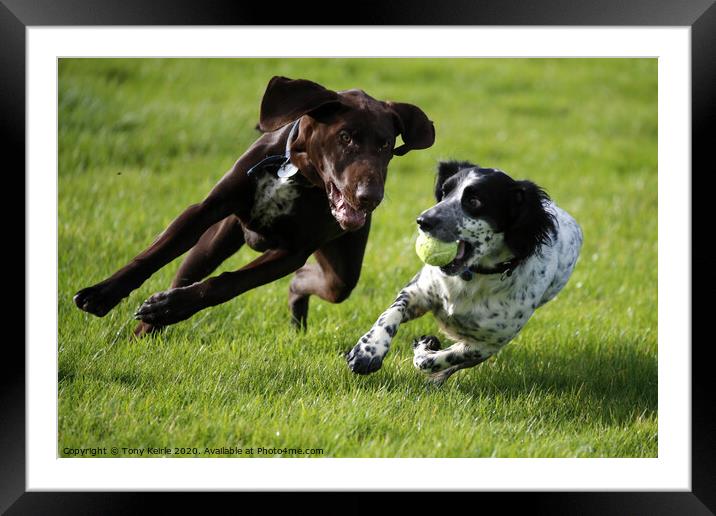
(307, 186)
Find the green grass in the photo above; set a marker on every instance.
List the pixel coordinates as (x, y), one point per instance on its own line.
(139, 140)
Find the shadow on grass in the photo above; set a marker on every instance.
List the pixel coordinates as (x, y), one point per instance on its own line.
(131, 379)
(613, 383)
(614, 386)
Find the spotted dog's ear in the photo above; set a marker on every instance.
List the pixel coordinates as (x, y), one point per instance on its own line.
(286, 100)
(447, 169)
(531, 224)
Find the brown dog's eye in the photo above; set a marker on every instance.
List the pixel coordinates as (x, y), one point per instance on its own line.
(344, 137)
(384, 146)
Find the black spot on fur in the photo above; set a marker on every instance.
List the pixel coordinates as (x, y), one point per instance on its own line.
(390, 330)
(473, 355)
(431, 342)
(401, 301)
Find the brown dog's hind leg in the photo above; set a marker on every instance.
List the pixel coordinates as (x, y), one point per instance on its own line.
(217, 244)
(332, 278)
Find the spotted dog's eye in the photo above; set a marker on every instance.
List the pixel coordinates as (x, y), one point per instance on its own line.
(344, 137)
(472, 202)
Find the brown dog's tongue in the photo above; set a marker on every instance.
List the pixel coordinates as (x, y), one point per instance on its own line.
(349, 218)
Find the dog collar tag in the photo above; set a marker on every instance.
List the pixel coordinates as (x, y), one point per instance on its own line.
(288, 169)
(285, 167)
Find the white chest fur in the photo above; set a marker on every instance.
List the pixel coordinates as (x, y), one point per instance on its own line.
(487, 311)
(274, 197)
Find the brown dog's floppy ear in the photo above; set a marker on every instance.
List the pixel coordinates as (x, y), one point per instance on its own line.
(286, 100)
(417, 130)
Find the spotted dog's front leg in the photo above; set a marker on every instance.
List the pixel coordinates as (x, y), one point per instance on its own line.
(438, 364)
(367, 356)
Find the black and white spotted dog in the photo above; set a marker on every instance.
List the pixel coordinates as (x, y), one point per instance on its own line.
(517, 250)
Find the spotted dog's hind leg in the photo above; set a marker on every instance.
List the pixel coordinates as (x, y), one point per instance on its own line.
(439, 364)
(367, 356)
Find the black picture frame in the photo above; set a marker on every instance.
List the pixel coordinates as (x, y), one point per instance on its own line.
(699, 15)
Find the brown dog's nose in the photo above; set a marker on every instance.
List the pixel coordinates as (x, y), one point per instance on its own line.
(368, 196)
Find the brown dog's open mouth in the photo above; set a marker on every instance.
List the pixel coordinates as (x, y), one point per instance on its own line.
(347, 216)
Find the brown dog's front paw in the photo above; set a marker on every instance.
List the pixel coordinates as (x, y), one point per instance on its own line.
(168, 307)
(98, 299)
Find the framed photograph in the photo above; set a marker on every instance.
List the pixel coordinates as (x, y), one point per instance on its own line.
(190, 187)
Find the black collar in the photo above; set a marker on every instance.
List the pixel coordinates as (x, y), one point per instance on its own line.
(281, 163)
(504, 268)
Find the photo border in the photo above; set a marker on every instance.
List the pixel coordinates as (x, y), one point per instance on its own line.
(699, 15)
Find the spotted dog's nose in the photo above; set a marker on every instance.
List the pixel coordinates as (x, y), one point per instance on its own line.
(425, 222)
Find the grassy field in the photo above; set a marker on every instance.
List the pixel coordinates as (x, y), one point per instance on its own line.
(139, 140)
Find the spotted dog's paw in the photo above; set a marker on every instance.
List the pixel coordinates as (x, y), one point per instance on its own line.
(424, 349)
(364, 359)
(428, 342)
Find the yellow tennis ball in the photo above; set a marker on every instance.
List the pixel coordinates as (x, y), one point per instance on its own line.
(433, 251)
